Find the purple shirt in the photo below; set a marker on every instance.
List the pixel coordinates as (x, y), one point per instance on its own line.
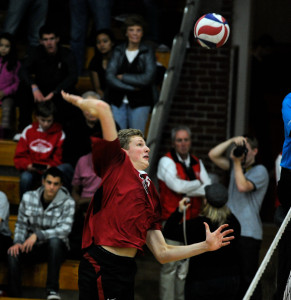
(86, 177)
(9, 80)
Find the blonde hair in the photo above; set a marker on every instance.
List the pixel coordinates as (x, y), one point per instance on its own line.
(216, 215)
(124, 136)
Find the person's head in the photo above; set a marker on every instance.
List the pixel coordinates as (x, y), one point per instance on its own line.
(133, 143)
(90, 95)
(181, 140)
(52, 181)
(104, 41)
(8, 50)
(214, 208)
(134, 28)
(49, 38)
(252, 146)
(44, 113)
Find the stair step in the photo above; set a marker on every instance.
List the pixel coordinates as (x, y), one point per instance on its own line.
(10, 186)
(35, 275)
(7, 151)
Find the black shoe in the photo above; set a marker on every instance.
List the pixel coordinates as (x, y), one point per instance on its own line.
(52, 295)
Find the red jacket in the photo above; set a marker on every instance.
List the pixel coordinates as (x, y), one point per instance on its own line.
(170, 199)
(37, 146)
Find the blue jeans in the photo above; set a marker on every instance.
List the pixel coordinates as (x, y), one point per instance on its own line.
(101, 12)
(28, 181)
(37, 15)
(53, 251)
(68, 173)
(127, 117)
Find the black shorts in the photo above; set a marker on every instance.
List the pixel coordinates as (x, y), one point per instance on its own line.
(104, 275)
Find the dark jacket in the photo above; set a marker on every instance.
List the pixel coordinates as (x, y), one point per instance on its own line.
(138, 77)
(52, 73)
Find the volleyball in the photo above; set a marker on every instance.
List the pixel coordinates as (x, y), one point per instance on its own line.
(211, 31)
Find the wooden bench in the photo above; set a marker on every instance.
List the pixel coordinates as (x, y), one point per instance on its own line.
(7, 151)
(10, 186)
(35, 275)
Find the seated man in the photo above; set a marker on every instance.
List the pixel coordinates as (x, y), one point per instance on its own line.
(44, 221)
(39, 147)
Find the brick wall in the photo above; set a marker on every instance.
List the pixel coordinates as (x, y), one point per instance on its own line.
(201, 98)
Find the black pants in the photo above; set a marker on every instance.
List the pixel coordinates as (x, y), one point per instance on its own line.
(53, 251)
(249, 251)
(104, 275)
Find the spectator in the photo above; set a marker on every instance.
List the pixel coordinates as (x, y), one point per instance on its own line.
(40, 147)
(5, 233)
(247, 188)
(50, 69)
(130, 77)
(9, 81)
(284, 249)
(180, 174)
(214, 275)
(37, 15)
(125, 213)
(84, 185)
(101, 12)
(104, 47)
(44, 221)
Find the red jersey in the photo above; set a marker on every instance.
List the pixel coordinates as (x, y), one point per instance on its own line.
(38, 146)
(127, 204)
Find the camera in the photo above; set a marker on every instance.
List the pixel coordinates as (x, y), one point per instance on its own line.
(240, 150)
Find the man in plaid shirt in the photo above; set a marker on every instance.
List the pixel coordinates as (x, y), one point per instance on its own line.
(44, 221)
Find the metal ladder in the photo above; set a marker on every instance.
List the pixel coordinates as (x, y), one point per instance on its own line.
(171, 79)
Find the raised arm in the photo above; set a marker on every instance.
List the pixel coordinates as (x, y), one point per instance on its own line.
(96, 108)
(165, 253)
(216, 154)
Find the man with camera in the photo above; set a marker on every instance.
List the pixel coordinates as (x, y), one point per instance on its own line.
(247, 187)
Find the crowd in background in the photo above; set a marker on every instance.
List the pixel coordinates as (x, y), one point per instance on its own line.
(54, 148)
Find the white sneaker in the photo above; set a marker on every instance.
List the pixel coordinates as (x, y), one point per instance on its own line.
(52, 295)
(16, 137)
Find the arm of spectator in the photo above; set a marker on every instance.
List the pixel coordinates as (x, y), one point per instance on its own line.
(167, 172)
(242, 183)
(98, 109)
(64, 223)
(37, 94)
(11, 89)
(15, 250)
(217, 154)
(165, 253)
(112, 71)
(21, 226)
(145, 78)
(22, 159)
(29, 243)
(4, 209)
(57, 157)
(96, 83)
(72, 74)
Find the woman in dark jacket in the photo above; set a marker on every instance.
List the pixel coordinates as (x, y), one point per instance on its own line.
(212, 275)
(130, 77)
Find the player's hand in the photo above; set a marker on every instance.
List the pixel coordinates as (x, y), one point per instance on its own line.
(218, 238)
(86, 105)
(38, 96)
(48, 96)
(14, 250)
(28, 244)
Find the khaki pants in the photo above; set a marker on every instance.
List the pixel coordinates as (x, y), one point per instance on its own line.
(171, 285)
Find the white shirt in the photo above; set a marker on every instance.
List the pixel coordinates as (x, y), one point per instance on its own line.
(167, 172)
